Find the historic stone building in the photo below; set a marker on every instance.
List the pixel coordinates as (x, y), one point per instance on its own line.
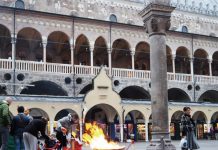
(51, 52)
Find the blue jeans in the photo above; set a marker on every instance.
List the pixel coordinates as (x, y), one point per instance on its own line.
(18, 140)
(4, 133)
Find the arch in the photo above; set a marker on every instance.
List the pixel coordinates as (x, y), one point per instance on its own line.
(214, 118)
(5, 40)
(209, 96)
(142, 56)
(175, 125)
(201, 65)
(86, 89)
(134, 122)
(215, 64)
(29, 45)
(135, 93)
(37, 113)
(64, 112)
(44, 88)
(103, 115)
(82, 51)
(121, 57)
(58, 48)
(178, 95)
(199, 117)
(100, 55)
(176, 117)
(182, 60)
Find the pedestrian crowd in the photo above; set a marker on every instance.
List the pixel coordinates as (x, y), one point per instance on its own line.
(26, 130)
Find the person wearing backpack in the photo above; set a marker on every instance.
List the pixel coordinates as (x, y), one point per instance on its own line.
(19, 122)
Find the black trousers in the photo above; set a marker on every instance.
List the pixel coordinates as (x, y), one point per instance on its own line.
(62, 139)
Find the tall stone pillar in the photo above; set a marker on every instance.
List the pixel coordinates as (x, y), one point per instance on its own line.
(156, 17)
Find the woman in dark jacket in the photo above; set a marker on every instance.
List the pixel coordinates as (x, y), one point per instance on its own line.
(31, 131)
(188, 128)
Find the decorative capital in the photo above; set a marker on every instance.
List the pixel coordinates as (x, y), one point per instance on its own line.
(156, 18)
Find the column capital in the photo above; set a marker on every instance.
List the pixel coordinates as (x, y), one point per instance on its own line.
(156, 17)
(210, 61)
(44, 40)
(132, 52)
(13, 38)
(109, 51)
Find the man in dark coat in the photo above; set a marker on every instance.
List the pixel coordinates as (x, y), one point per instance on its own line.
(188, 128)
(19, 122)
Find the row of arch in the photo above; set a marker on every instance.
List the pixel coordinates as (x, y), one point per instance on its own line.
(99, 114)
(30, 44)
(128, 93)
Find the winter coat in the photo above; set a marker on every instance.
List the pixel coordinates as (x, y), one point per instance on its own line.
(65, 122)
(5, 118)
(188, 130)
(18, 124)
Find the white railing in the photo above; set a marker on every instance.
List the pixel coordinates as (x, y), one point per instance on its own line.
(5, 64)
(206, 79)
(32, 66)
(58, 68)
(129, 73)
(82, 70)
(179, 77)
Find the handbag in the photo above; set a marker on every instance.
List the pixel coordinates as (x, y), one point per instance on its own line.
(183, 143)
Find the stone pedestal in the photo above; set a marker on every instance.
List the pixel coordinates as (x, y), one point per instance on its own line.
(156, 17)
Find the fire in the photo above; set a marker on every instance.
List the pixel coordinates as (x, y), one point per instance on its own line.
(95, 137)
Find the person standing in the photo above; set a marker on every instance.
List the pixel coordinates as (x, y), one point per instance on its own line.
(64, 126)
(27, 113)
(188, 128)
(31, 131)
(19, 122)
(5, 122)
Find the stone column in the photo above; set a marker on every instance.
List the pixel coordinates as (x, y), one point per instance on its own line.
(146, 131)
(174, 67)
(72, 54)
(210, 67)
(156, 17)
(133, 59)
(121, 132)
(109, 62)
(44, 43)
(51, 127)
(13, 50)
(91, 58)
(192, 68)
(81, 129)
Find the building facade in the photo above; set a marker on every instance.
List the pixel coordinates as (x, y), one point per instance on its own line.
(51, 53)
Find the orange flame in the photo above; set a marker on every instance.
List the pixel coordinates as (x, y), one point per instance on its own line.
(95, 137)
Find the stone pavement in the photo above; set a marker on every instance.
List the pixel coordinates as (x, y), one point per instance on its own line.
(204, 145)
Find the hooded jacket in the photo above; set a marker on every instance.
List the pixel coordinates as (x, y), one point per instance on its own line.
(65, 122)
(5, 118)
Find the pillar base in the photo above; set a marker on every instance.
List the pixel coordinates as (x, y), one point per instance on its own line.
(161, 145)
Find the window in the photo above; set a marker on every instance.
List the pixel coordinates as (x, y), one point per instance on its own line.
(184, 29)
(113, 18)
